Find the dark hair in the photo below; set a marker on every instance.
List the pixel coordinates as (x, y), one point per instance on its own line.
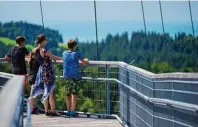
(40, 39)
(71, 44)
(20, 39)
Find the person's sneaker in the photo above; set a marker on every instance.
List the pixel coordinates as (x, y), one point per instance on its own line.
(68, 113)
(72, 114)
(55, 114)
(47, 114)
(35, 111)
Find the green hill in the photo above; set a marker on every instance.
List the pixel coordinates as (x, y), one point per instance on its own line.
(30, 31)
(6, 44)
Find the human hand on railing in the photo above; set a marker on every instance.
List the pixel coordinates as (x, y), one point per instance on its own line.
(6, 58)
(87, 60)
(84, 61)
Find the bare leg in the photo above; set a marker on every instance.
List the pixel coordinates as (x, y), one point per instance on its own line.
(46, 105)
(68, 102)
(31, 101)
(73, 102)
(52, 102)
(31, 104)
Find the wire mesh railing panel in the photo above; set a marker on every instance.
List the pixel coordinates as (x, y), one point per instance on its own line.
(93, 92)
(92, 97)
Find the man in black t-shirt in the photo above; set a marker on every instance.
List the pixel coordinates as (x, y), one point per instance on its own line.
(17, 57)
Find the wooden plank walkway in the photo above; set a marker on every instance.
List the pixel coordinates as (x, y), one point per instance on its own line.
(81, 121)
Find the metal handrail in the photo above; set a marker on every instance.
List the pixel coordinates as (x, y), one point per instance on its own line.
(158, 101)
(179, 75)
(28, 123)
(13, 80)
(11, 100)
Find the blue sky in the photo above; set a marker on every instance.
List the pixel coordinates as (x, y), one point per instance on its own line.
(76, 18)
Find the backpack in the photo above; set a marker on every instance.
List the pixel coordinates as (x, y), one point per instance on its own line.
(47, 72)
(33, 63)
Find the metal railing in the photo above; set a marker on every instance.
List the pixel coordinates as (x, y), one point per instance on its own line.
(11, 101)
(158, 99)
(147, 99)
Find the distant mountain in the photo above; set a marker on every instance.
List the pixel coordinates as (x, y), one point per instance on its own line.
(7, 43)
(30, 31)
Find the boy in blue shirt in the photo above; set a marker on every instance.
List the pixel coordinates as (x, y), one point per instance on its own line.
(72, 75)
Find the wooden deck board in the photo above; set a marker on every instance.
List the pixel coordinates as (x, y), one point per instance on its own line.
(80, 121)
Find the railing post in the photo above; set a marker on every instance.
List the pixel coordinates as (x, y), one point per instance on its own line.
(22, 109)
(108, 108)
(173, 112)
(28, 114)
(128, 98)
(153, 108)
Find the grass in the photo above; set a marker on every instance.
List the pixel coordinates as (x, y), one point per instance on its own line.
(7, 41)
(11, 43)
(62, 45)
